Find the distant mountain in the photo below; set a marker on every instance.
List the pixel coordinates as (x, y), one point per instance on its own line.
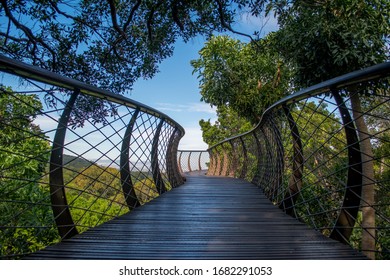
(76, 163)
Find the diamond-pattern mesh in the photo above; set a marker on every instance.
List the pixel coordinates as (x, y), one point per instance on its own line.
(193, 160)
(64, 169)
(307, 155)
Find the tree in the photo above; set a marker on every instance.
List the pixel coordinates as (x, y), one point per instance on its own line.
(339, 37)
(242, 80)
(246, 77)
(105, 43)
(229, 123)
(24, 152)
(100, 181)
(324, 39)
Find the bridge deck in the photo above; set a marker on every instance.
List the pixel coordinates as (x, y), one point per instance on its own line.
(207, 218)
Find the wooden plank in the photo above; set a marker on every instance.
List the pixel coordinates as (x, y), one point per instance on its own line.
(207, 218)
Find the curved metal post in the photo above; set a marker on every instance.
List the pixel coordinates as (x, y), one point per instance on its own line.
(212, 163)
(233, 168)
(218, 167)
(215, 162)
(59, 204)
(226, 162)
(171, 160)
(244, 169)
(199, 165)
(158, 180)
(295, 180)
(189, 162)
(266, 174)
(180, 168)
(127, 185)
(349, 210)
(256, 178)
(177, 166)
(279, 157)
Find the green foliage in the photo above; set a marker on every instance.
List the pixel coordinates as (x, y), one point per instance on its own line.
(331, 38)
(245, 77)
(146, 190)
(101, 181)
(242, 80)
(122, 40)
(94, 194)
(229, 123)
(25, 201)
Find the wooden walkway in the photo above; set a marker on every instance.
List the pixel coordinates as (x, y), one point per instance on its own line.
(206, 218)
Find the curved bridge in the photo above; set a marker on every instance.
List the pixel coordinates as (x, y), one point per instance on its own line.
(86, 173)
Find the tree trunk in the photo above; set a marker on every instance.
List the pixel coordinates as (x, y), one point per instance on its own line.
(368, 188)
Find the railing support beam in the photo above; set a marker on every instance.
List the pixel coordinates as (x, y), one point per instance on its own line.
(353, 189)
(127, 184)
(158, 180)
(62, 215)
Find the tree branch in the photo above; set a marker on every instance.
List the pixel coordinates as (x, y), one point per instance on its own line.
(130, 18)
(76, 19)
(34, 40)
(226, 25)
(150, 20)
(7, 36)
(175, 15)
(114, 19)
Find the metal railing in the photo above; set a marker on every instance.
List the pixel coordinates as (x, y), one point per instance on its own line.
(73, 156)
(323, 156)
(192, 160)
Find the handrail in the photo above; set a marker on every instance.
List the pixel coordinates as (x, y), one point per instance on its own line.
(193, 160)
(325, 141)
(59, 179)
(60, 175)
(42, 75)
(371, 73)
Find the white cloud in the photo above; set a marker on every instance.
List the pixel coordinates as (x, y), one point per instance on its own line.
(192, 140)
(190, 107)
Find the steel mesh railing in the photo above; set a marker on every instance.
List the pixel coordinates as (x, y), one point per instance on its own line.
(73, 156)
(313, 157)
(192, 160)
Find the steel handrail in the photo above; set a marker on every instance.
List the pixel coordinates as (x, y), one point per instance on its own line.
(42, 75)
(363, 75)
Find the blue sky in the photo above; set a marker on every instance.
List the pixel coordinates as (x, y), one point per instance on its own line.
(175, 90)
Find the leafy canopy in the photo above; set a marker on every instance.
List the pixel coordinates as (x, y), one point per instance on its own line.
(247, 77)
(325, 39)
(105, 43)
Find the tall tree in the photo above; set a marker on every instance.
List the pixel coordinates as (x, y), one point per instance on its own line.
(246, 77)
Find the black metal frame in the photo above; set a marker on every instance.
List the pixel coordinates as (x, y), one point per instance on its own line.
(193, 160)
(168, 139)
(283, 182)
(272, 155)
